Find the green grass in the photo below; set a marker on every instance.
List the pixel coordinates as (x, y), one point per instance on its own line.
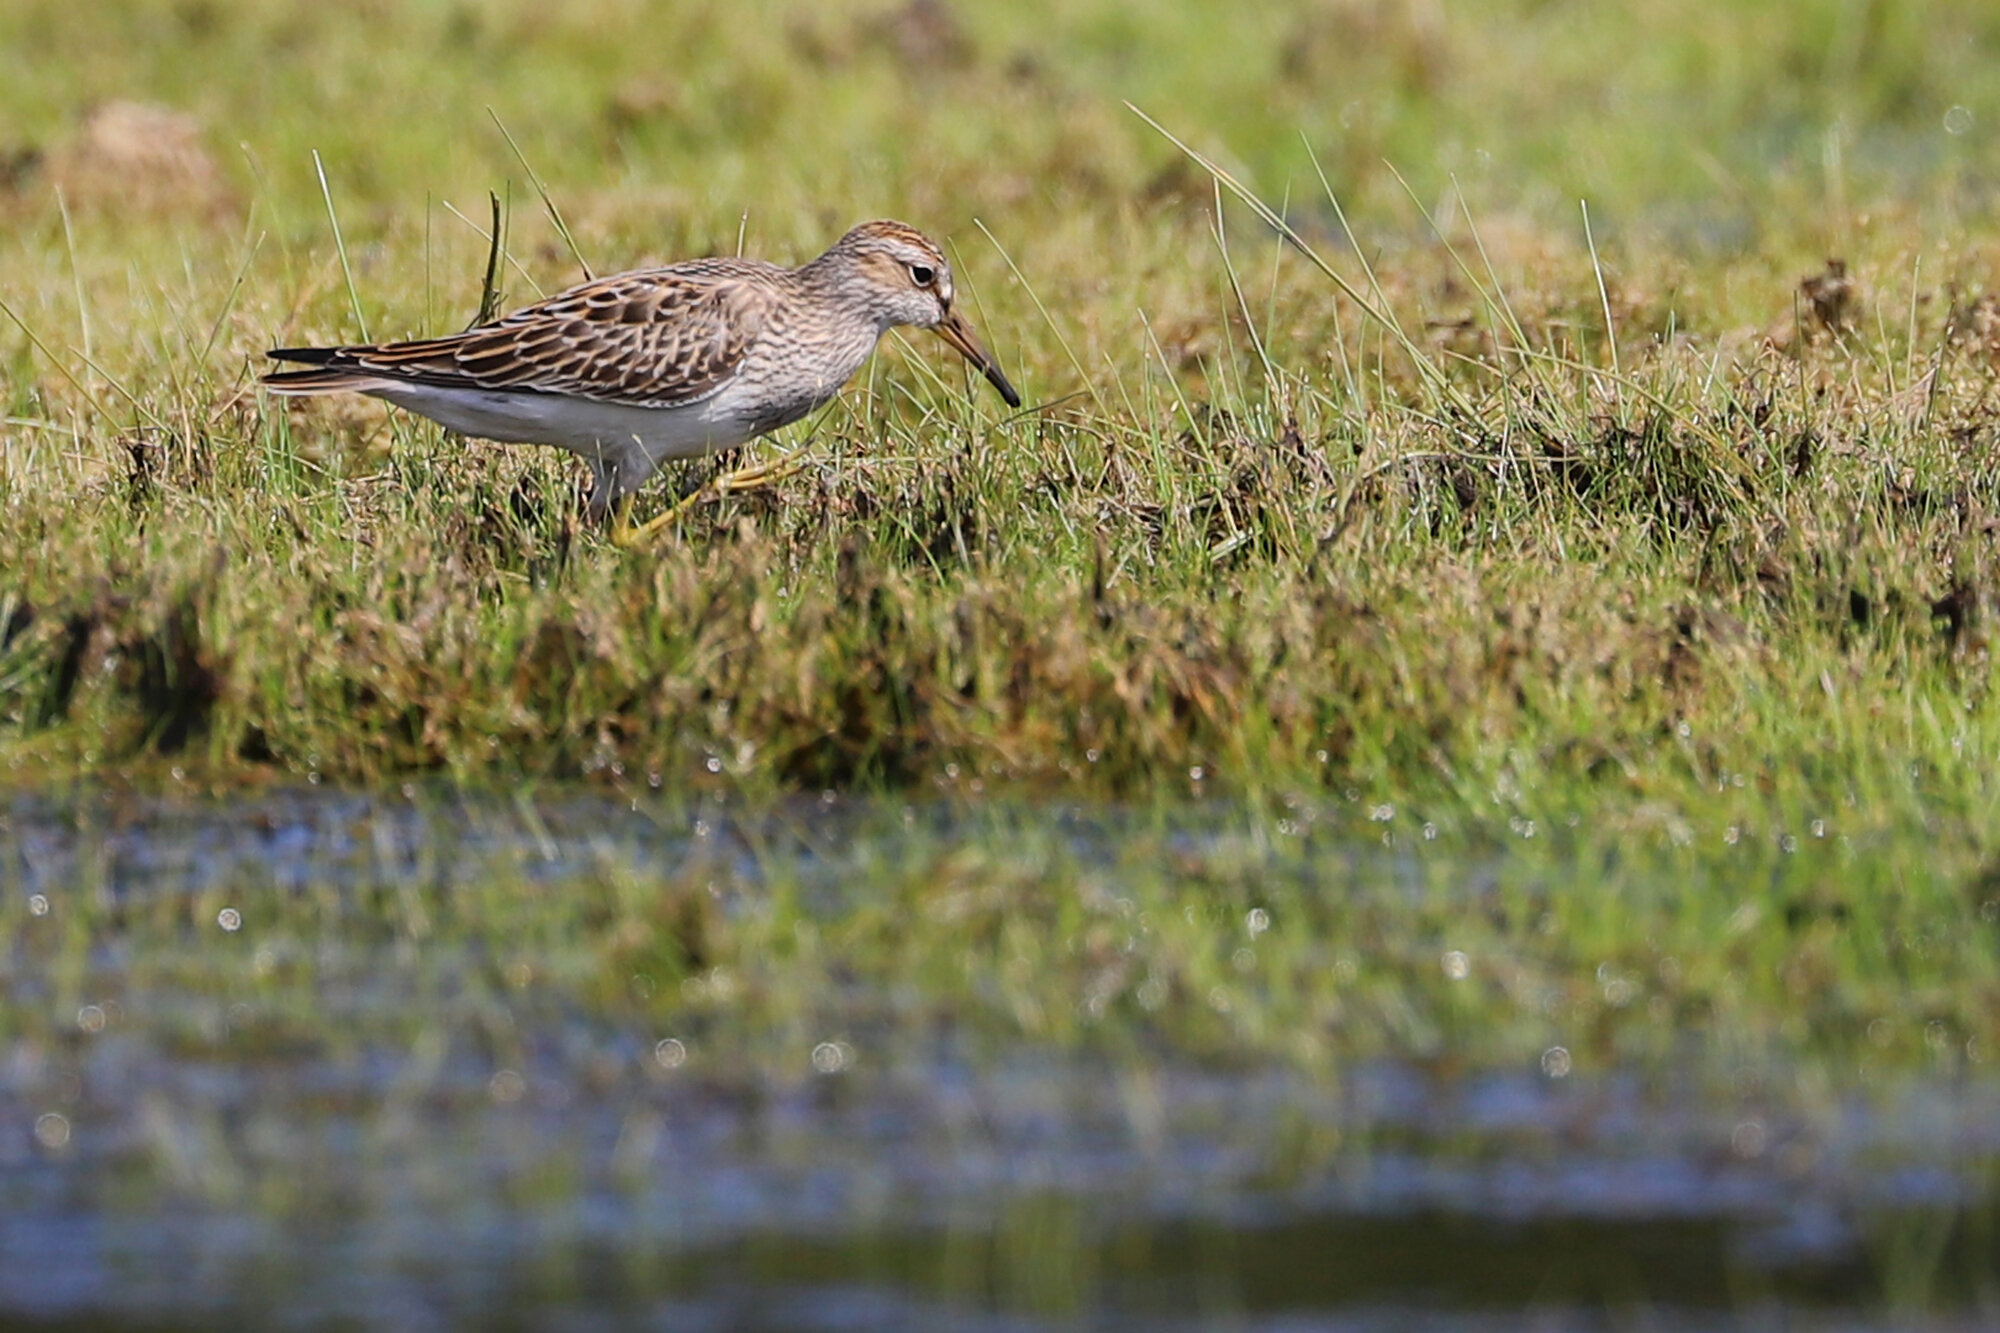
(1449, 506)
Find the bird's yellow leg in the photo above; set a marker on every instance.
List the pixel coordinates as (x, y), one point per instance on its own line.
(621, 521)
(756, 477)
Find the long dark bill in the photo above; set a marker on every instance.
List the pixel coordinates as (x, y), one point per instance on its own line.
(954, 330)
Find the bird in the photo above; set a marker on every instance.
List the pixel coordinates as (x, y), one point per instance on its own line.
(632, 370)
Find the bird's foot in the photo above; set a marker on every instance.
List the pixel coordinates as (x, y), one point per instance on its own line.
(757, 477)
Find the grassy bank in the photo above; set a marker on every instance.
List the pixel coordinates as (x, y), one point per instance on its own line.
(1460, 501)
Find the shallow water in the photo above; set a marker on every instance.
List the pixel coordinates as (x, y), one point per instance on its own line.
(155, 1180)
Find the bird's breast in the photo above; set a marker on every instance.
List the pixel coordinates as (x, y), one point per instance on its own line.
(787, 378)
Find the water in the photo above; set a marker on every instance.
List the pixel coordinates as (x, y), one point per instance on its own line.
(202, 1165)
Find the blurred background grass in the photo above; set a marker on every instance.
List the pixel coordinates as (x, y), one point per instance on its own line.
(661, 127)
(1686, 107)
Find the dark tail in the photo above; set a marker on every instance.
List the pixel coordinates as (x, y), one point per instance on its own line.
(309, 356)
(330, 378)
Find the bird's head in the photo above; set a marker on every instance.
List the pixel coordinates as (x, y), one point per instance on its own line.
(907, 280)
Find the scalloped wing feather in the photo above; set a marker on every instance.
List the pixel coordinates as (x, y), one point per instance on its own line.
(652, 338)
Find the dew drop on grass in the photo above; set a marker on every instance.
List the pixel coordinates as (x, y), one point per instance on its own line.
(1555, 1062)
(52, 1130)
(229, 919)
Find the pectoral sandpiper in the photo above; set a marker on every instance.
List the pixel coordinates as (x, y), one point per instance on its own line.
(632, 370)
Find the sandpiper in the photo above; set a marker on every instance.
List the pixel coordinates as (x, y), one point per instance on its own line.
(632, 370)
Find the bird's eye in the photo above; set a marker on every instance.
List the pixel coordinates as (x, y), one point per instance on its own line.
(922, 275)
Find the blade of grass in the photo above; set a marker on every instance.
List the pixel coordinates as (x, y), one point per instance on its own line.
(1047, 318)
(1603, 293)
(340, 245)
(75, 272)
(489, 286)
(1506, 307)
(35, 340)
(548, 202)
(512, 262)
(229, 301)
(1425, 367)
(1236, 290)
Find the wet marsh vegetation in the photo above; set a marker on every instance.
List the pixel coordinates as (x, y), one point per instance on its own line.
(1447, 715)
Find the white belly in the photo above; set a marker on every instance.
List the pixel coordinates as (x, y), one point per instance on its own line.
(624, 446)
(598, 432)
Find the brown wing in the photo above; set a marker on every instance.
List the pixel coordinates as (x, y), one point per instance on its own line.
(650, 338)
